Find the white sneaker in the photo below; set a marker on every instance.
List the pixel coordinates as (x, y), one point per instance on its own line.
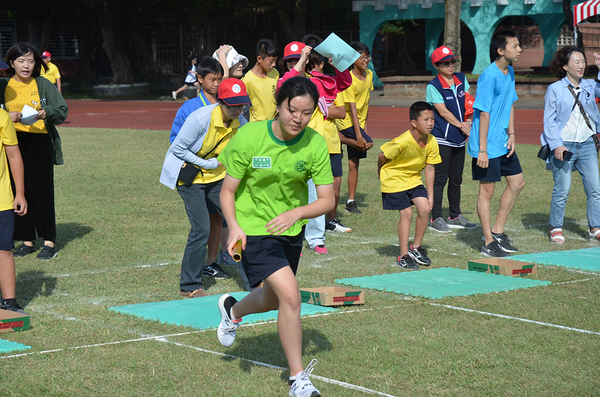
(336, 226)
(302, 386)
(174, 95)
(227, 327)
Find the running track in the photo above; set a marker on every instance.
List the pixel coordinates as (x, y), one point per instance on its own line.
(383, 122)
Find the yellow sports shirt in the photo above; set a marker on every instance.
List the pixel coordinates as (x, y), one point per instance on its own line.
(261, 91)
(8, 137)
(406, 161)
(360, 93)
(19, 94)
(215, 133)
(52, 74)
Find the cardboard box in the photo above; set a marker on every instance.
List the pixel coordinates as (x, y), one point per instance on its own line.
(505, 267)
(13, 321)
(332, 296)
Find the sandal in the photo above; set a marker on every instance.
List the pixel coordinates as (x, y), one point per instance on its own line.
(557, 236)
(194, 294)
(594, 235)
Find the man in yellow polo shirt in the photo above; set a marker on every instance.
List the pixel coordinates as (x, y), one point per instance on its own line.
(52, 72)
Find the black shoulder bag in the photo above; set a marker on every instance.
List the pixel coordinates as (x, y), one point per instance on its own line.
(190, 171)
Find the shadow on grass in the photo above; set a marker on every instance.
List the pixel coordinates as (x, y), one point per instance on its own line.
(539, 221)
(267, 348)
(470, 237)
(67, 232)
(34, 283)
(390, 250)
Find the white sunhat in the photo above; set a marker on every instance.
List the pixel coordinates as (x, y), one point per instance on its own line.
(233, 57)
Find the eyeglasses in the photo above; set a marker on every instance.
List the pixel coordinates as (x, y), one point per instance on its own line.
(448, 63)
(364, 58)
(236, 108)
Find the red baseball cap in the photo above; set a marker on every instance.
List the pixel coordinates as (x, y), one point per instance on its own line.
(46, 54)
(233, 92)
(293, 50)
(442, 54)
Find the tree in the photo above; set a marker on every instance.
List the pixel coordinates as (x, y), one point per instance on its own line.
(452, 29)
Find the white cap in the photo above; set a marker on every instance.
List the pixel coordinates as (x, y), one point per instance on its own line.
(232, 58)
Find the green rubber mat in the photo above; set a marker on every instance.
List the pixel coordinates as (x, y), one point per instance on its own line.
(441, 283)
(584, 259)
(8, 346)
(201, 313)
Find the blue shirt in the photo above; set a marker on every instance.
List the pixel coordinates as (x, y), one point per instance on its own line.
(495, 95)
(185, 110)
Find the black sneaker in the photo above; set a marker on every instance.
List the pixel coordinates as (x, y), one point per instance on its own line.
(406, 262)
(504, 242)
(47, 252)
(351, 207)
(493, 250)
(13, 306)
(215, 271)
(419, 255)
(23, 250)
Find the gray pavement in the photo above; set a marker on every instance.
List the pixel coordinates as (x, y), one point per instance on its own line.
(380, 100)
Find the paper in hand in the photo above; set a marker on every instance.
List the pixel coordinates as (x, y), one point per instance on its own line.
(341, 53)
(29, 115)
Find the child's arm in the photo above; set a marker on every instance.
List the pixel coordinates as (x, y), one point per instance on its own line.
(322, 205)
(511, 132)
(360, 141)
(17, 170)
(301, 64)
(227, 198)
(484, 125)
(381, 161)
(222, 54)
(429, 179)
(336, 112)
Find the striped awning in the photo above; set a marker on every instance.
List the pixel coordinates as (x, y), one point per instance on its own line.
(585, 10)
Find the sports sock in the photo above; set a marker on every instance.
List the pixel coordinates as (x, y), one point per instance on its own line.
(349, 201)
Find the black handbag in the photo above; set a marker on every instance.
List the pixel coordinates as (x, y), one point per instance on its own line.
(544, 152)
(190, 171)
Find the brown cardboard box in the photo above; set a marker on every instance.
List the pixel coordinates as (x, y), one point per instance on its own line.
(332, 296)
(505, 267)
(13, 321)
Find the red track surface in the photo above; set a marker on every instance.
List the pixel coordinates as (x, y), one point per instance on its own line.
(383, 122)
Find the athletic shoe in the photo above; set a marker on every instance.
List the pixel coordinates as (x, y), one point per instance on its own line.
(23, 250)
(227, 326)
(504, 242)
(419, 255)
(320, 249)
(199, 293)
(594, 235)
(46, 253)
(406, 262)
(225, 259)
(12, 305)
(174, 95)
(460, 222)
(301, 386)
(351, 207)
(438, 225)
(557, 236)
(336, 226)
(215, 271)
(493, 250)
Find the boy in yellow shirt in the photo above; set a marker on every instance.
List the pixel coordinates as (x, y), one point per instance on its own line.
(399, 166)
(9, 149)
(261, 81)
(353, 128)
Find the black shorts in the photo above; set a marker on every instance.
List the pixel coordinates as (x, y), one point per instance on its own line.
(355, 153)
(402, 200)
(190, 84)
(7, 227)
(336, 164)
(497, 168)
(264, 255)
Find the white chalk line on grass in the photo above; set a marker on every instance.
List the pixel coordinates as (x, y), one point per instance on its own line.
(259, 363)
(94, 272)
(585, 331)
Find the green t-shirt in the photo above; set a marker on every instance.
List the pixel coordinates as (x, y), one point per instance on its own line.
(273, 174)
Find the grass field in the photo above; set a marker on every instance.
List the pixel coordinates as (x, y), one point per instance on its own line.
(121, 237)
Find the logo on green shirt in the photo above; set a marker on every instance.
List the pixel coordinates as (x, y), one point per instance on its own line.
(300, 165)
(261, 162)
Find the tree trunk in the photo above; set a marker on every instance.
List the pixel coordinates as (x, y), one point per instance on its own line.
(452, 29)
(109, 18)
